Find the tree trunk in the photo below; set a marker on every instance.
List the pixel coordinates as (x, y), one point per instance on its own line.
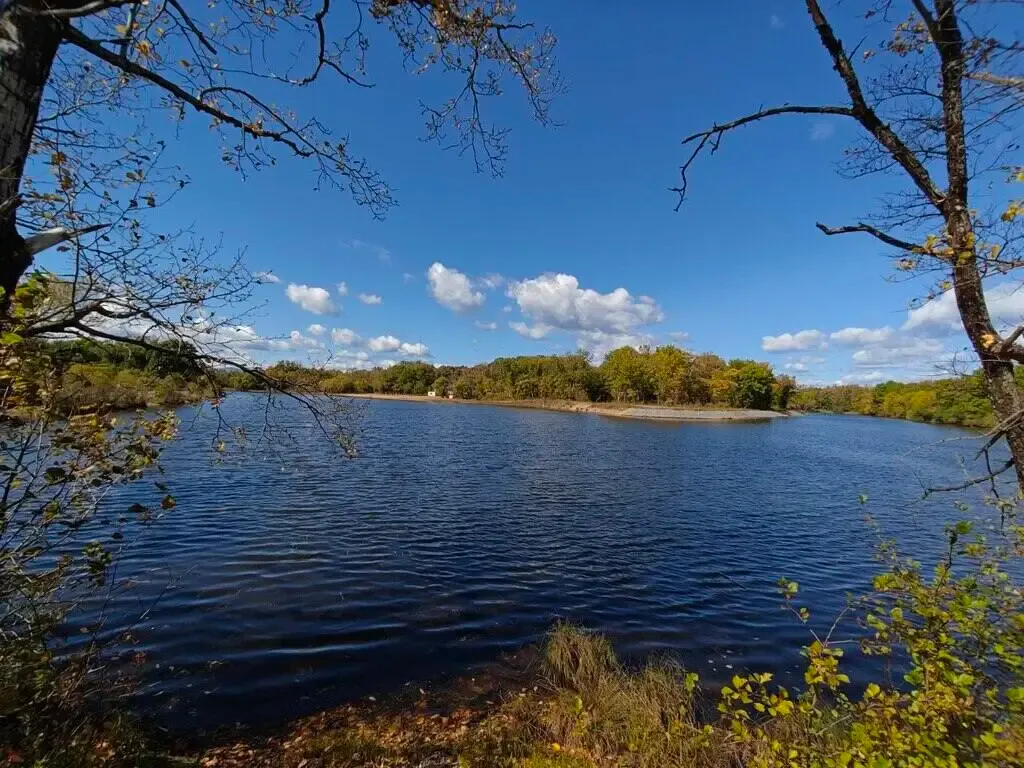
(1007, 399)
(28, 46)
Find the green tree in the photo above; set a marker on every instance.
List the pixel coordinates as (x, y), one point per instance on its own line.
(629, 375)
(753, 385)
(441, 386)
(671, 367)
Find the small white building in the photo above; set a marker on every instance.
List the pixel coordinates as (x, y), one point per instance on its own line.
(431, 393)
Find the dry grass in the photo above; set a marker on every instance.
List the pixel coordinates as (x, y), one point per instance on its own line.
(582, 710)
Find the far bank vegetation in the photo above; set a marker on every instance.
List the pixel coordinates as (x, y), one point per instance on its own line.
(666, 375)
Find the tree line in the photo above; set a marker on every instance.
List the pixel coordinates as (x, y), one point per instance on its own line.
(963, 401)
(666, 374)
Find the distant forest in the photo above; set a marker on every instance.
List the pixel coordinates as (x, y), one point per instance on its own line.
(961, 400)
(667, 375)
(121, 375)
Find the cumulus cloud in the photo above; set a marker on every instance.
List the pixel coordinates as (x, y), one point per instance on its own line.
(940, 315)
(900, 353)
(486, 326)
(858, 337)
(557, 300)
(297, 341)
(344, 336)
(866, 377)
(312, 299)
(452, 289)
(600, 343)
(370, 298)
(537, 331)
(384, 344)
(342, 288)
(316, 329)
(393, 344)
(804, 363)
(788, 342)
(267, 277)
(419, 349)
(679, 336)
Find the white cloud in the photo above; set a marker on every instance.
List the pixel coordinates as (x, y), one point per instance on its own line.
(370, 298)
(297, 341)
(267, 277)
(804, 363)
(312, 299)
(393, 344)
(788, 342)
(679, 336)
(600, 343)
(558, 301)
(822, 130)
(867, 377)
(858, 337)
(384, 344)
(507, 308)
(900, 353)
(940, 315)
(775, 22)
(486, 326)
(343, 288)
(537, 331)
(419, 349)
(409, 277)
(491, 281)
(316, 329)
(344, 336)
(452, 289)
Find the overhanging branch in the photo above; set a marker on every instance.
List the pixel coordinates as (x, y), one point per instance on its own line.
(714, 134)
(130, 67)
(895, 242)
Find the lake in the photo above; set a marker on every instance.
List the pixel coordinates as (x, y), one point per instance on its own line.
(290, 580)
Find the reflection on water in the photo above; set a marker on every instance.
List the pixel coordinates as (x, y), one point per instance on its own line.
(296, 579)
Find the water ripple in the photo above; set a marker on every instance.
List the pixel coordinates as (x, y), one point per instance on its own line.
(285, 583)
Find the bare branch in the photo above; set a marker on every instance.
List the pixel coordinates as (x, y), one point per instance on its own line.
(192, 25)
(1004, 81)
(988, 477)
(713, 135)
(51, 237)
(895, 242)
(130, 67)
(867, 116)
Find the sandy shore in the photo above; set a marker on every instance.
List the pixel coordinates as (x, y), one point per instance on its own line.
(617, 410)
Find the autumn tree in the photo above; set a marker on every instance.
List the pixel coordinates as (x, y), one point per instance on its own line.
(86, 87)
(93, 95)
(933, 103)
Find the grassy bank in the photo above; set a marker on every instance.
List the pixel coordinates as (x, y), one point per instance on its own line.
(578, 707)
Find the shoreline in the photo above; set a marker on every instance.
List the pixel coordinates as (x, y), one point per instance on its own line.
(614, 410)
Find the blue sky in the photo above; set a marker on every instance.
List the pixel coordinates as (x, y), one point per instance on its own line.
(578, 244)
